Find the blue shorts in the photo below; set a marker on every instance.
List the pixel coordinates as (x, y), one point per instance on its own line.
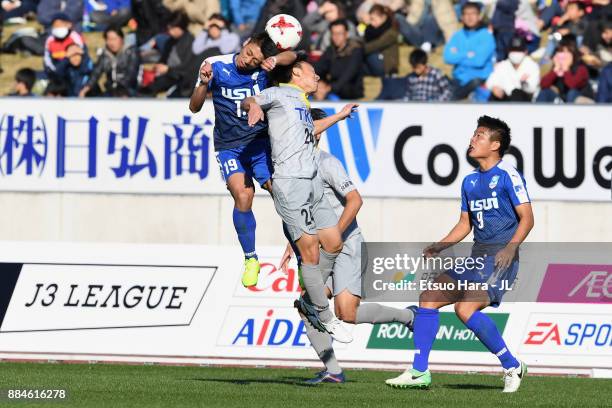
(488, 273)
(252, 159)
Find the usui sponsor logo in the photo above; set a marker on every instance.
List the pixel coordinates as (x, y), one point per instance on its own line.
(585, 334)
(263, 327)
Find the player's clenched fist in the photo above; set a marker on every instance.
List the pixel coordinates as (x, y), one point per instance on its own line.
(206, 73)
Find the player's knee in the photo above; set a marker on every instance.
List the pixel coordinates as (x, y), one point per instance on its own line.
(243, 199)
(428, 299)
(333, 247)
(346, 313)
(463, 311)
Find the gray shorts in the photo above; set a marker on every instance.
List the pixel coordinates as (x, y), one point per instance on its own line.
(347, 269)
(302, 206)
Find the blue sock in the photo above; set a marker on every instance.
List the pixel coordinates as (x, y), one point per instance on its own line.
(487, 333)
(245, 224)
(426, 325)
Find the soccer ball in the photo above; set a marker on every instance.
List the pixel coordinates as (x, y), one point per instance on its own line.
(285, 31)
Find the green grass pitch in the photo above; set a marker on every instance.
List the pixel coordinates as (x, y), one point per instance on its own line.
(110, 385)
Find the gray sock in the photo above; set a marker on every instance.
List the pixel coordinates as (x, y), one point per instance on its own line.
(326, 263)
(322, 344)
(375, 313)
(314, 286)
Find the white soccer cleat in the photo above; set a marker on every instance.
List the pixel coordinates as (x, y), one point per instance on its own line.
(513, 377)
(337, 331)
(411, 378)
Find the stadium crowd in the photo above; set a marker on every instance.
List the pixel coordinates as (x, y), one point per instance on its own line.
(555, 51)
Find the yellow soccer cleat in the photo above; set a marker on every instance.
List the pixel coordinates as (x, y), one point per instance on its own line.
(251, 272)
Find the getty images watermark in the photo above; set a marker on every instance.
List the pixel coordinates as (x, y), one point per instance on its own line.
(399, 272)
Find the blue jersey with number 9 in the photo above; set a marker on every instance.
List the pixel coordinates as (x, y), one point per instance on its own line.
(490, 197)
(229, 87)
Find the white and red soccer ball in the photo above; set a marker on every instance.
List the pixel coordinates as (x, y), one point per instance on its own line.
(285, 31)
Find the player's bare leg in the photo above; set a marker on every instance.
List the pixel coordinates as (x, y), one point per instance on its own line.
(242, 190)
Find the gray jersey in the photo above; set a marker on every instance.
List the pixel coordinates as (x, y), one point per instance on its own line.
(291, 131)
(336, 185)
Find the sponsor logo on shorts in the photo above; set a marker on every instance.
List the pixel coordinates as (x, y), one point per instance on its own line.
(452, 335)
(575, 334)
(567, 283)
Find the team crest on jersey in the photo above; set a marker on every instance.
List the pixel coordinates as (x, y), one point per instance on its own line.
(493, 182)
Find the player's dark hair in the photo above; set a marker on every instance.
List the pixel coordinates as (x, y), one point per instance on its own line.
(418, 57)
(26, 76)
(339, 22)
(282, 74)
(265, 43)
(113, 29)
(500, 132)
(317, 114)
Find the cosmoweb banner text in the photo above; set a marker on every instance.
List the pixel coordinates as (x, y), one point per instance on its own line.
(389, 149)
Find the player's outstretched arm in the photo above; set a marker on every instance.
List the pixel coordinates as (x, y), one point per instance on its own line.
(322, 125)
(504, 258)
(457, 234)
(351, 208)
(199, 93)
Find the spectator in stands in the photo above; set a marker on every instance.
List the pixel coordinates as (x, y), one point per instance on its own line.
(426, 83)
(177, 64)
(526, 24)
(318, 23)
(381, 48)
(571, 22)
(516, 78)
(107, 13)
(425, 18)
(503, 22)
(604, 88)
(75, 69)
(56, 45)
(340, 66)
(14, 11)
(151, 17)
(363, 12)
(196, 11)
(24, 82)
(471, 51)
(424, 33)
(71, 9)
(56, 88)
(245, 14)
(216, 35)
(601, 54)
(568, 79)
(118, 62)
